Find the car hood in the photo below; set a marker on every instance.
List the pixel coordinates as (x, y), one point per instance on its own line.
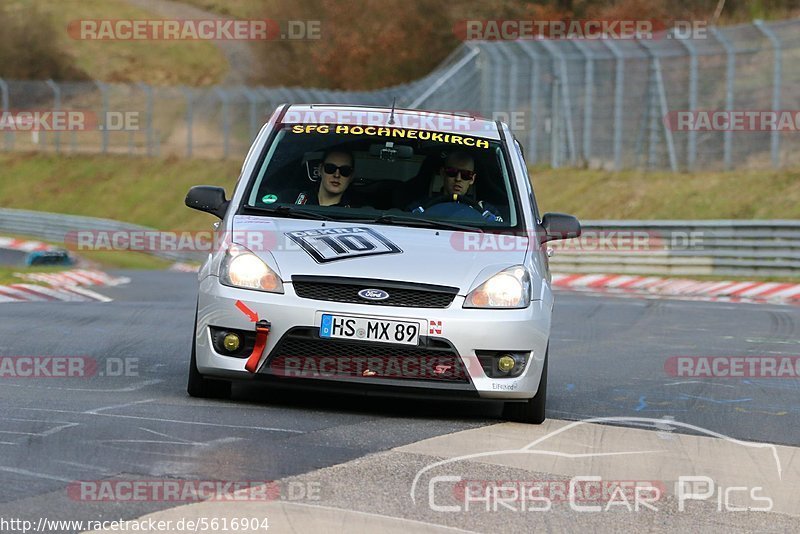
(383, 252)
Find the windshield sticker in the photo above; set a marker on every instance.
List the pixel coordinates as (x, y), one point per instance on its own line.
(332, 244)
(269, 199)
(423, 135)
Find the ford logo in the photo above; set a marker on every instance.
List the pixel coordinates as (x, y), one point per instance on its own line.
(373, 294)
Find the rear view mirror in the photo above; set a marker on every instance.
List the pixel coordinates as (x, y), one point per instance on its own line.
(209, 199)
(390, 152)
(560, 226)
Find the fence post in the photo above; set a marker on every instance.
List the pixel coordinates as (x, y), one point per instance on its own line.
(512, 77)
(527, 48)
(148, 91)
(588, 96)
(56, 107)
(252, 100)
(555, 127)
(730, 78)
(226, 126)
(691, 137)
(658, 119)
(619, 88)
(189, 95)
(564, 98)
(496, 75)
(9, 139)
(104, 114)
(777, 79)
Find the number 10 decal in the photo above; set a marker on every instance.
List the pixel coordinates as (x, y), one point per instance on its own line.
(331, 244)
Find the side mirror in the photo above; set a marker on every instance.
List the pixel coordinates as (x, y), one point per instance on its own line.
(560, 226)
(209, 199)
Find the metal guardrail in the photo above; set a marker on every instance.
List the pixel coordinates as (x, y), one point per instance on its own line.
(55, 227)
(713, 247)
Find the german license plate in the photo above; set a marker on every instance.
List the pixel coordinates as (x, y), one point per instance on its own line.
(365, 329)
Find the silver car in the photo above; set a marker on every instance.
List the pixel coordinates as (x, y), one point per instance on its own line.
(392, 251)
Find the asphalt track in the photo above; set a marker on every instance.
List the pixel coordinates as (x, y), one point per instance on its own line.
(608, 357)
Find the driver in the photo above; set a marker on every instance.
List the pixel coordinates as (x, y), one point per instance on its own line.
(336, 172)
(458, 175)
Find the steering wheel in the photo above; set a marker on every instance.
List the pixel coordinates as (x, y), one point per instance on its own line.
(448, 199)
(454, 207)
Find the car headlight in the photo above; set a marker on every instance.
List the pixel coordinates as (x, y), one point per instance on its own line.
(242, 268)
(510, 288)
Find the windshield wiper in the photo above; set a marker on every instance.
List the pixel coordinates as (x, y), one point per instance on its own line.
(415, 221)
(293, 211)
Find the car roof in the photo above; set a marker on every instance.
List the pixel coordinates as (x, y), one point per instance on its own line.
(434, 121)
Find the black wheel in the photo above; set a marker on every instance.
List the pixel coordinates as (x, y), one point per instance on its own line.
(200, 386)
(532, 411)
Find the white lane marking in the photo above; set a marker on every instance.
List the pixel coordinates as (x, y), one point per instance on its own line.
(134, 387)
(160, 420)
(700, 382)
(49, 432)
(84, 466)
(89, 293)
(134, 403)
(163, 435)
(33, 474)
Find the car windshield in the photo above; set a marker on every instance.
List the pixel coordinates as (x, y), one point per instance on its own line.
(385, 175)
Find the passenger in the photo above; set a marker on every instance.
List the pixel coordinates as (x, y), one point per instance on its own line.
(336, 172)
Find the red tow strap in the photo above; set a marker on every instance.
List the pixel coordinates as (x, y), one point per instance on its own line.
(262, 332)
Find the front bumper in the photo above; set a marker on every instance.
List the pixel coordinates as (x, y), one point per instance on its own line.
(465, 330)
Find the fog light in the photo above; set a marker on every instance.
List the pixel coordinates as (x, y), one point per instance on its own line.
(506, 363)
(231, 342)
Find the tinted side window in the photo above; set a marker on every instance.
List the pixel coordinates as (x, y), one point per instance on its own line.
(528, 185)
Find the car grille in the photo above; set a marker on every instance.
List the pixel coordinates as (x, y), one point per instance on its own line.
(401, 294)
(300, 353)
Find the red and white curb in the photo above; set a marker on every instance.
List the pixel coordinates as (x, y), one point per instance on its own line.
(770, 292)
(67, 286)
(184, 267)
(21, 244)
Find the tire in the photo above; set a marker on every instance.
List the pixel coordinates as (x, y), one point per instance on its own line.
(532, 411)
(200, 386)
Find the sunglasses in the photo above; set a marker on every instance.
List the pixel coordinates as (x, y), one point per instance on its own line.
(344, 170)
(452, 172)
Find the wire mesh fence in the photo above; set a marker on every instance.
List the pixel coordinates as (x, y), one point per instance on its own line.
(611, 104)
